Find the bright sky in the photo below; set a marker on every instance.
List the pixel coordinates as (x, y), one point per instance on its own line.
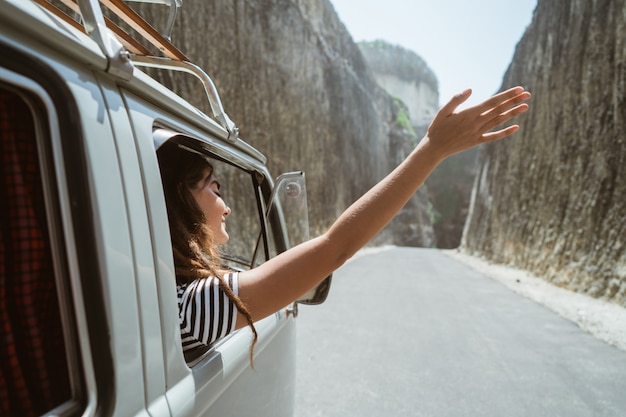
(467, 43)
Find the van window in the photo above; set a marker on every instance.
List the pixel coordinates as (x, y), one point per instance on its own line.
(243, 224)
(34, 376)
(248, 238)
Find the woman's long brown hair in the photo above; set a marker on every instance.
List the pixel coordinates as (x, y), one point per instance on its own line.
(196, 255)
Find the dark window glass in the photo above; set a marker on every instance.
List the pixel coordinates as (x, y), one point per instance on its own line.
(34, 376)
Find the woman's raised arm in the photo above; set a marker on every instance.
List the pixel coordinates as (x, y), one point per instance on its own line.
(285, 278)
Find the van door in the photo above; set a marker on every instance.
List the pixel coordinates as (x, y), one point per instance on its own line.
(217, 381)
(77, 351)
(142, 260)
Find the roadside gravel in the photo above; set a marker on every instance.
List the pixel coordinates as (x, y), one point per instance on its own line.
(604, 320)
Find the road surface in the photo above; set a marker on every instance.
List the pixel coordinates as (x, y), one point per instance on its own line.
(413, 332)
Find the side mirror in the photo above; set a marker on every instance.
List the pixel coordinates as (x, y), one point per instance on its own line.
(289, 206)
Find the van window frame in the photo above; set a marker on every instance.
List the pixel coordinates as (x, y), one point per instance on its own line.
(62, 164)
(261, 185)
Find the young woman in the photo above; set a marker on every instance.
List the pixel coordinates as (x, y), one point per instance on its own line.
(214, 302)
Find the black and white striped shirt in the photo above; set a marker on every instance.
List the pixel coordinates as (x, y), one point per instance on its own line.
(205, 311)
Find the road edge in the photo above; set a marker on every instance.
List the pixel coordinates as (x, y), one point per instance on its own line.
(602, 319)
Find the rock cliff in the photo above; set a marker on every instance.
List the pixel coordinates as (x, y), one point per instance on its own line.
(405, 75)
(296, 84)
(553, 199)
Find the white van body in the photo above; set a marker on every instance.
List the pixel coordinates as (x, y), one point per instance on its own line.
(109, 237)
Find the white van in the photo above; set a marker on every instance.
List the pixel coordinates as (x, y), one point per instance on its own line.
(87, 290)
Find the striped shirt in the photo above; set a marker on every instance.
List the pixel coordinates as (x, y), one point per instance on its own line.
(205, 311)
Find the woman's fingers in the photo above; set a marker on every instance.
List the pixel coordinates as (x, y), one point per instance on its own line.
(452, 132)
(493, 107)
(503, 115)
(499, 134)
(497, 100)
(507, 105)
(455, 102)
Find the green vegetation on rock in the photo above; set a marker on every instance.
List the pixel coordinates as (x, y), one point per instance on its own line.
(402, 118)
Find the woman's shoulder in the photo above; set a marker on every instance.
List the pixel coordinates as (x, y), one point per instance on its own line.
(230, 277)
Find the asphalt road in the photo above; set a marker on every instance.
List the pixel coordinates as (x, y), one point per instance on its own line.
(413, 332)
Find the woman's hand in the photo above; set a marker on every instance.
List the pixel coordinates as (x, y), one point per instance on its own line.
(451, 132)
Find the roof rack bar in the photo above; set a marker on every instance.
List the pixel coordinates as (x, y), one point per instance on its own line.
(127, 41)
(134, 20)
(171, 18)
(118, 62)
(209, 87)
(92, 14)
(60, 13)
(122, 50)
(117, 57)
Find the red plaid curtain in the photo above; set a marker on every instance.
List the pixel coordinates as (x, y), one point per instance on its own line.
(34, 376)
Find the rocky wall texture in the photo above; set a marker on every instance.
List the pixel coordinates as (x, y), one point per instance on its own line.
(297, 86)
(552, 200)
(405, 75)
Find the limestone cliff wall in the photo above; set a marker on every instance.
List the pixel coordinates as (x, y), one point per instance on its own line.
(553, 199)
(297, 86)
(405, 75)
(421, 98)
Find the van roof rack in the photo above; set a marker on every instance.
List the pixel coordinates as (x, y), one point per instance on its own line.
(123, 51)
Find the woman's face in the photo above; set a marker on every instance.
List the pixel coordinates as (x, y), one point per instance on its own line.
(207, 194)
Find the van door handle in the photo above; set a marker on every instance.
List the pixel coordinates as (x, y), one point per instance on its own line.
(292, 310)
